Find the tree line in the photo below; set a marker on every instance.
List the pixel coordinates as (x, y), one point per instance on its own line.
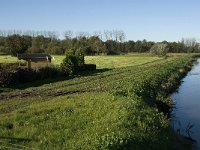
(100, 42)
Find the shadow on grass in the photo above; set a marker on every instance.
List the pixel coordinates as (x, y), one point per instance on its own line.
(38, 83)
(92, 73)
(173, 141)
(12, 139)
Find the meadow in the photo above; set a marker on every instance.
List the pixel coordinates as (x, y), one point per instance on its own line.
(114, 107)
(101, 61)
(8, 59)
(117, 61)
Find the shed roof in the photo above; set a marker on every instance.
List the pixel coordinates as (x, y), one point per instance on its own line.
(33, 56)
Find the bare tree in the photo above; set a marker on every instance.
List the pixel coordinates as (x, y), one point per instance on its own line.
(98, 34)
(81, 34)
(189, 42)
(108, 35)
(122, 36)
(1, 33)
(53, 34)
(68, 34)
(115, 35)
(118, 35)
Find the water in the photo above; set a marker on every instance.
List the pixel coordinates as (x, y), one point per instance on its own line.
(187, 100)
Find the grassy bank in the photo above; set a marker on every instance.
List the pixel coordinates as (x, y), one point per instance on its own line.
(106, 109)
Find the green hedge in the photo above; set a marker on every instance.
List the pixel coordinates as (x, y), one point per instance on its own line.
(10, 74)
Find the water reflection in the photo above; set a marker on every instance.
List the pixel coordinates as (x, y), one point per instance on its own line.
(186, 115)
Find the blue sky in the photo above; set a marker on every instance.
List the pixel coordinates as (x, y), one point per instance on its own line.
(140, 19)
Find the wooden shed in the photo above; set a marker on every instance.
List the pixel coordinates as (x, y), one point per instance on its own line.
(35, 61)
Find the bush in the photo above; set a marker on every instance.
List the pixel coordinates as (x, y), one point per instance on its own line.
(159, 49)
(70, 62)
(8, 74)
(80, 57)
(49, 72)
(26, 75)
(73, 61)
(3, 50)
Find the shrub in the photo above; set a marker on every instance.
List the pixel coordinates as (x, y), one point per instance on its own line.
(49, 72)
(8, 74)
(80, 57)
(159, 49)
(70, 62)
(3, 50)
(73, 61)
(26, 75)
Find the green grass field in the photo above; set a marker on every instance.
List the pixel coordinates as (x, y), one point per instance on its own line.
(112, 61)
(110, 108)
(8, 59)
(100, 61)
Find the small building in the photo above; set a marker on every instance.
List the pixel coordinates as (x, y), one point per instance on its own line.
(35, 61)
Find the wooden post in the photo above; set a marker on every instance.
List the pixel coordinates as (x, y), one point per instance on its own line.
(29, 64)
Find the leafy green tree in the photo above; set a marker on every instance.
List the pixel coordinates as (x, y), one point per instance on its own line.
(191, 45)
(3, 48)
(97, 45)
(17, 44)
(88, 50)
(175, 47)
(55, 47)
(129, 46)
(111, 47)
(138, 46)
(39, 44)
(16, 41)
(36, 46)
(67, 44)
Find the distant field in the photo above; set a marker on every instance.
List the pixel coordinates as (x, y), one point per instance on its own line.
(119, 61)
(100, 61)
(8, 59)
(113, 61)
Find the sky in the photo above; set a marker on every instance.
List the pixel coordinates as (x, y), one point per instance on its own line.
(154, 20)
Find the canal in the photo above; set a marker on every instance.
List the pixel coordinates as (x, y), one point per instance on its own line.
(186, 114)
